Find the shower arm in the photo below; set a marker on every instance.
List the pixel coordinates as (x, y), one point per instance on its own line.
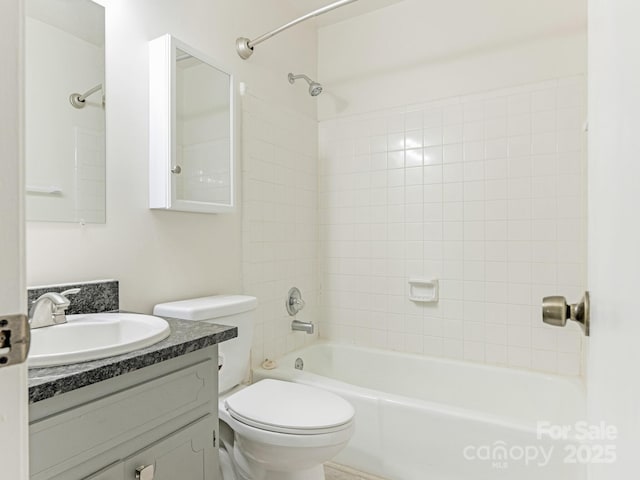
(293, 78)
(245, 46)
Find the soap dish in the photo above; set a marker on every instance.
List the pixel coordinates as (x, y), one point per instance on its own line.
(423, 290)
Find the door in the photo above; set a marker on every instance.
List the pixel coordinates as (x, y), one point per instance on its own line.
(613, 380)
(13, 379)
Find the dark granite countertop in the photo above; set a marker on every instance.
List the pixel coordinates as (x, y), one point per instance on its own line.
(185, 337)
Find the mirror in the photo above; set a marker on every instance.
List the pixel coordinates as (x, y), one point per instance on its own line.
(191, 130)
(64, 111)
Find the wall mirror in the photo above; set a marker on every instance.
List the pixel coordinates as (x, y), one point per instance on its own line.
(191, 130)
(64, 111)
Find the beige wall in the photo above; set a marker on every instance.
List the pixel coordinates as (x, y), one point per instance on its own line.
(162, 256)
(422, 50)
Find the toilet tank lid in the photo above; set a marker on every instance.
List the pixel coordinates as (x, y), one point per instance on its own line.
(206, 308)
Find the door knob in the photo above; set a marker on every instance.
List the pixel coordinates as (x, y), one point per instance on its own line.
(556, 311)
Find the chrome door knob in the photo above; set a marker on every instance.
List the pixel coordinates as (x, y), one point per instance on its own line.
(556, 311)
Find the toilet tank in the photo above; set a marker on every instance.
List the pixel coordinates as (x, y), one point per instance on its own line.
(233, 310)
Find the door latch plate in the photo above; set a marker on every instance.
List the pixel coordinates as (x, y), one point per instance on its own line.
(15, 338)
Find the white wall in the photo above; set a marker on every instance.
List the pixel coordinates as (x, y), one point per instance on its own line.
(614, 235)
(494, 219)
(420, 50)
(161, 256)
(280, 221)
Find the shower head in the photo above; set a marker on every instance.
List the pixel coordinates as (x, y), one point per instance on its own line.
(315, 88)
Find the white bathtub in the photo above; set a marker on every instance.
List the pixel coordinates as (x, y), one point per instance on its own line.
(423, 418)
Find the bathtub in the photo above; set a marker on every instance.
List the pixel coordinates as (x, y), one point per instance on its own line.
(423, 418)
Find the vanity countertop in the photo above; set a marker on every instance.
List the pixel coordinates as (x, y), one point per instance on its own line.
(185, 337)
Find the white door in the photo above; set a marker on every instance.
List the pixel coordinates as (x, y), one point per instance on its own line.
(613, 379)
(14, 453)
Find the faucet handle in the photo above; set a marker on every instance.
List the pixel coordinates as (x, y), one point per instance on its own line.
(294, 302)
(49, 308)
(71, 291)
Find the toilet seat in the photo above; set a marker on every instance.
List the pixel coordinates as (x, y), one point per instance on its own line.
(289, 408)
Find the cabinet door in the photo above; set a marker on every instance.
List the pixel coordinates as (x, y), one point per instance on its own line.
(188, 454)
(191, 130)
(114, 472)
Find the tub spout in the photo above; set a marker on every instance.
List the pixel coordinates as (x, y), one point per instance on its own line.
(298, 326)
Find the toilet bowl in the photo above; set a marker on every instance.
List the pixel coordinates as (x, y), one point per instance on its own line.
(285, 430)
(275, 430)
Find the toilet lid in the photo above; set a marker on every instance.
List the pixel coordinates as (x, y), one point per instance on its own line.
(288, 407)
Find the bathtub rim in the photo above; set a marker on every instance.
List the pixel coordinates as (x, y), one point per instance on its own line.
(457, 412)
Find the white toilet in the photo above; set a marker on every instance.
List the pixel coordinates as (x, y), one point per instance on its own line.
(271, 430)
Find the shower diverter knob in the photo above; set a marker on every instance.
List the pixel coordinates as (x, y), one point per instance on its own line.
(294, 302)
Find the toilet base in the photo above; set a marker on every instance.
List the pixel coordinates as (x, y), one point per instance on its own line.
(315, 473)
(251, 471)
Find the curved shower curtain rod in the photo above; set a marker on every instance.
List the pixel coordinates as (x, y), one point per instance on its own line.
(79, 100)
(244, 46)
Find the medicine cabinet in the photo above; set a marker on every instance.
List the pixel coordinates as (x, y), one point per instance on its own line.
(191, 130)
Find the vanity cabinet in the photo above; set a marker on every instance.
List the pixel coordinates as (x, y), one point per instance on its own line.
(162, 418)
(185, 455)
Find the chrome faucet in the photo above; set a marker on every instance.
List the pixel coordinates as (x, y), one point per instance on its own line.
(49, 309)
(299, 326)
(294, 304)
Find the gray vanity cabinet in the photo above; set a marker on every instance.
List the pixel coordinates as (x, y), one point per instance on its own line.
(115, 472)
(162, 417)
(187, 455)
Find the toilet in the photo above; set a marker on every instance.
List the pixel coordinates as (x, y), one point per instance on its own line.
(270, 430)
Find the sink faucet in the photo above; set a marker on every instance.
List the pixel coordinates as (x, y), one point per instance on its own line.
(49, 309)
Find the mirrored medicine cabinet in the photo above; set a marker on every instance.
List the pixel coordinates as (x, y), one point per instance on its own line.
(191, 130)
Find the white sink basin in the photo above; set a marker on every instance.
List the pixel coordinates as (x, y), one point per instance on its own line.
(94, 336)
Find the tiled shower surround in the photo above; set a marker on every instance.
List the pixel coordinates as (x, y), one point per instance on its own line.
(485, 193)
(280, 221)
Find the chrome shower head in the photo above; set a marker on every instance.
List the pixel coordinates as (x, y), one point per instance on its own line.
(315, 88)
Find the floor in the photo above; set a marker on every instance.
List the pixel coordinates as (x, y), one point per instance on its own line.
(334, 471)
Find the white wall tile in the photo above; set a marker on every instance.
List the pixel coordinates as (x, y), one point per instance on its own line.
(480, 192)
(280, 219)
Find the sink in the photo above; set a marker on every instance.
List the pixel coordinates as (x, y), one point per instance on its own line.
(94, 336)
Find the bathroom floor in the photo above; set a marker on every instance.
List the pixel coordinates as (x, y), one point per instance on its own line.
(334, 471)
